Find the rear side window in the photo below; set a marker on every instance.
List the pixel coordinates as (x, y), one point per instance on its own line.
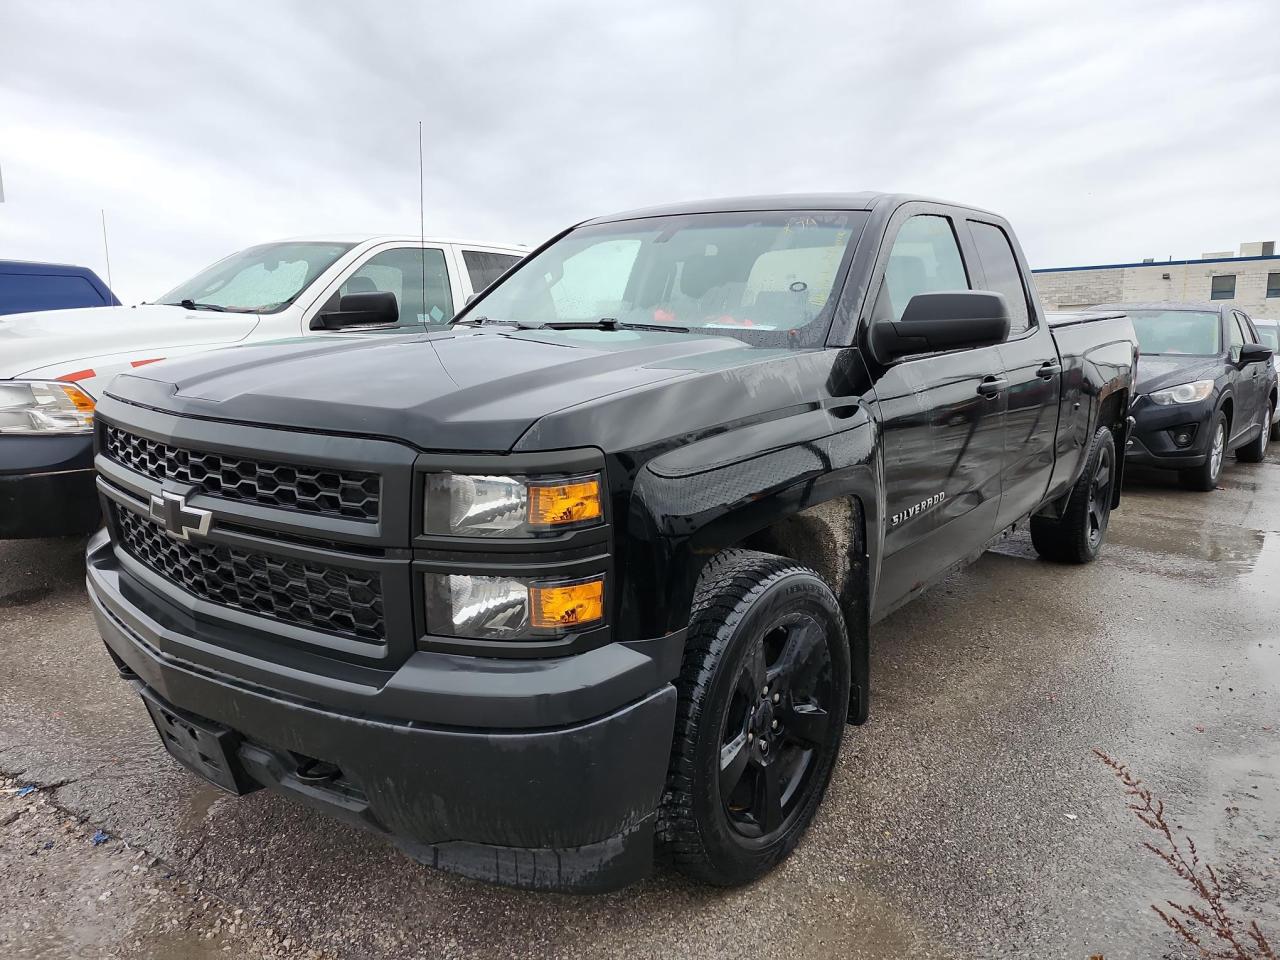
(483, 268)
(1001, 269)
(20, 292)
(925, 259)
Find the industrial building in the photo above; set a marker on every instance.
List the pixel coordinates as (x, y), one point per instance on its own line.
(1249, 280)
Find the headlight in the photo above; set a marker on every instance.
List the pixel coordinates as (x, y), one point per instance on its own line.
(496, 506)
(511, 608)
(44, 406)
(1183, 393)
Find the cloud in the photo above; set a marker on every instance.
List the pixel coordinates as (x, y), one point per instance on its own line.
(1104, 132)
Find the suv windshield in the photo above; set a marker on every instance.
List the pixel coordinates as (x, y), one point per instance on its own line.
(1177, 331)
(260, 279)
(767, 276)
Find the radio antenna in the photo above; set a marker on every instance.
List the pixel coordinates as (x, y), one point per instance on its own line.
(422, 227)
(106, 250)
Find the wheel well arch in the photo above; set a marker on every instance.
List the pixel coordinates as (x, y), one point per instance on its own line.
(1228, 409)
(831, 538)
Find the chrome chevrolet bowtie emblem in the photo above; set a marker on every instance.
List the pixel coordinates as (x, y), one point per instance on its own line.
(179, 521)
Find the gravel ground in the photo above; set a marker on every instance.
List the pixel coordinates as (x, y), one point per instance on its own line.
(968, 818)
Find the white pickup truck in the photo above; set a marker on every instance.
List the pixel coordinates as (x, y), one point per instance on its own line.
(54, 364)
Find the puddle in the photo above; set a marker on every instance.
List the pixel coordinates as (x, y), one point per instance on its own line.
(1211, 543)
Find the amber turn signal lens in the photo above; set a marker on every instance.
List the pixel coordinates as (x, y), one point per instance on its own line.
(567, 605)
(82, 401)
(555, 504)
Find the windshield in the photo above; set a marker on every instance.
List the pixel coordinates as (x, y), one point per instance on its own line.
(1177, 331)
(1268, 335)
(770, 274)
(260, 279)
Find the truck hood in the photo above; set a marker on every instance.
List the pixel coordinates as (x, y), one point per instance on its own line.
(458, 390)
(31, 342)
(1157, 371)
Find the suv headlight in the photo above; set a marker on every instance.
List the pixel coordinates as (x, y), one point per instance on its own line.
(511, 608)
(1183, 393)
(44, 406)
(461, 505)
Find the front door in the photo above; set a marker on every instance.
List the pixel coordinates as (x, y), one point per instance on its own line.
(1255, 377)
(943, 424)
(1246, 412)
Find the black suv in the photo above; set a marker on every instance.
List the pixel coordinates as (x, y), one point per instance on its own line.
(1206, 386)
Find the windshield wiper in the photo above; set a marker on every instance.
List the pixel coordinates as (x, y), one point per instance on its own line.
(192, 305)
(485, 321)
(604, 323)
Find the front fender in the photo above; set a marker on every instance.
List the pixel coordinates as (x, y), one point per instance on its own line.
(693, 502)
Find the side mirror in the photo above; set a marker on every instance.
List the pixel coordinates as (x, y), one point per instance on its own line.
(952, 320)
(1254, 353)
(360, 310)
(470, 297)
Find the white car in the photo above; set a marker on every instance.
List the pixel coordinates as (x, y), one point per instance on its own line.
(54, 364)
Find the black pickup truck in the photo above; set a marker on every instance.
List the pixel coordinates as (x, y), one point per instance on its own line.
(589, 578)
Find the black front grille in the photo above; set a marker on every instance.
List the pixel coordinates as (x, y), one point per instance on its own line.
(339, 493)
(334, 599)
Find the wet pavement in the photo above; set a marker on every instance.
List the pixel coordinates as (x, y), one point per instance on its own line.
(968, 818)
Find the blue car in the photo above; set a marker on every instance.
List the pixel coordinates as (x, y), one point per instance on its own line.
(26, 287)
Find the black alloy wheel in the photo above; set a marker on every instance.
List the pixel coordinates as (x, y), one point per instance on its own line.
(1100, 495)
(763, 698)
(778, 720)
(1077, 535)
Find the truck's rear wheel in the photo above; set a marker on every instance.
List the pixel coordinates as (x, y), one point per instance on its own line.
(763, 695)
(1077, 536)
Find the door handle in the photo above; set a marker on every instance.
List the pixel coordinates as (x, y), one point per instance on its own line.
(1048, 370)
(990, 387)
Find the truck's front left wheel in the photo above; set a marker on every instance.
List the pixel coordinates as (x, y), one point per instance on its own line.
(763, 695)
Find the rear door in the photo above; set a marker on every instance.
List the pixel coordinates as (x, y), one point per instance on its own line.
(942, 416)
(1031, 366)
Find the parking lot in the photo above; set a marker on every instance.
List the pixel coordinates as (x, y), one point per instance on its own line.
(968, 818)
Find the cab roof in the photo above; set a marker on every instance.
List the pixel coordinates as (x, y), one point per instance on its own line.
(359, 238)
(865, 200)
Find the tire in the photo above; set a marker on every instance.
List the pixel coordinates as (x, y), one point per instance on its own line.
(1077, 536)
(1205, 477)
(1275, 431)
(749, 729)
(1255, 451)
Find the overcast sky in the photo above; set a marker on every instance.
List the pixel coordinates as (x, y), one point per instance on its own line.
(1104, 131)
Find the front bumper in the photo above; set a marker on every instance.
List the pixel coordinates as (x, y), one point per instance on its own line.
(47, 486)
(1152, 443)
(569, 806)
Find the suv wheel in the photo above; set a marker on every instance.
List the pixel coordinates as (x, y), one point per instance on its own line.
(1205, 476)
(764, 691)
(1077, 536)
(1255, 451)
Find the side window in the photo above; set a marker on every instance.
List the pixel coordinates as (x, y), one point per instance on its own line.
(1003, 275)
(484, 268)
(1246, 327)
(925, 259)
(418, 278)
